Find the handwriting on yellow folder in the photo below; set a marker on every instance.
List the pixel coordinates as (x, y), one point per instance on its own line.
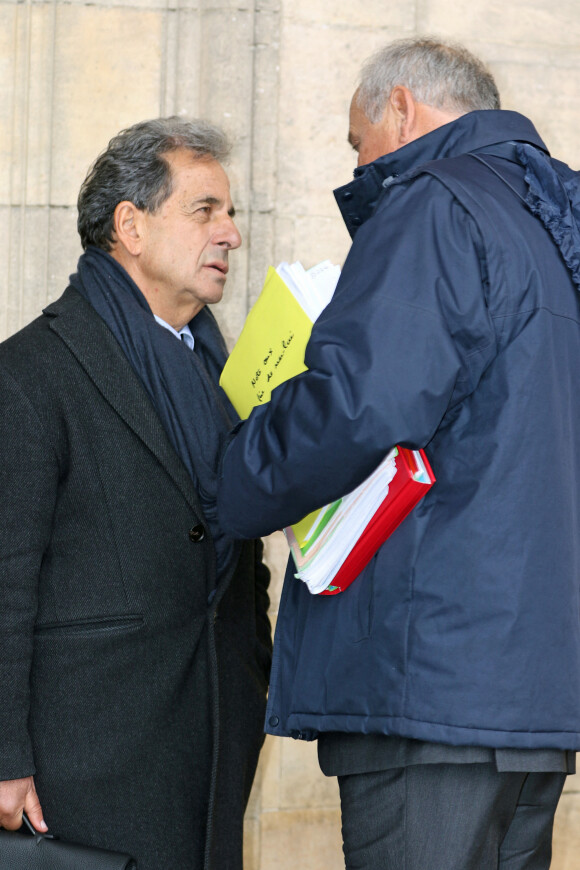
(270, 349)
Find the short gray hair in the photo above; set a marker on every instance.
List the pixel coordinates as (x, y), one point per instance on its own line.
(133, 167)
(444, 76)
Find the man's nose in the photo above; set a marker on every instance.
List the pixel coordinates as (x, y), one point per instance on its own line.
(229, 236)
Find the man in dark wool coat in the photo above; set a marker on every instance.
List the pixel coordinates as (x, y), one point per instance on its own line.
(134, 637)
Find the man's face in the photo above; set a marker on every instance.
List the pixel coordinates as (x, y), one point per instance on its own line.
(372, 140)
(184, 255)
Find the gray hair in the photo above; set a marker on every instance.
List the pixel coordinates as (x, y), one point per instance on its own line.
(133, 167)
(441, 75)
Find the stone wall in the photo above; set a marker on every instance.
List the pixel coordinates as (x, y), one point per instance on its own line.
(279, 76)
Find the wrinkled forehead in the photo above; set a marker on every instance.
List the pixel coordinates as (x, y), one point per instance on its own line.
(198, 176)
(187, 163)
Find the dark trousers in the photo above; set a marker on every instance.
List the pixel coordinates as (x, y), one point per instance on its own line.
(449, 817)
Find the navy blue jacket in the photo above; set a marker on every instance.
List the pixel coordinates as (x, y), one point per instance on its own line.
(454, 327)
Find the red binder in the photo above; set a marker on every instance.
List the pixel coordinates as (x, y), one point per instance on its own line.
(405, 491)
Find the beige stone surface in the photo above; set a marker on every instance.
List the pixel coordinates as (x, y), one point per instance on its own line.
(263, 165)
(355, 13)
(228, 101)
(6, 289)
(63, 250)
(308, 839)
(37, 129)
(319, 238)
(566, 844)
(566, 850)
(550, 95)
(107, 75)
(251, 843)
(302, 782)
(270, 774)
(10, 98)
(313, 113)
(520, 22)
(26, 250)
(129, 4)
(181, 71)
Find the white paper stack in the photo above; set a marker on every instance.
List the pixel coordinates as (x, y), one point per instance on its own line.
(312, 288)
(342, 524)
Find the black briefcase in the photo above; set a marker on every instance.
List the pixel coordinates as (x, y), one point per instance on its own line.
(36, 851)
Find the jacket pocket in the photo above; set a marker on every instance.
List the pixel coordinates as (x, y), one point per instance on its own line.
(361, 606)
(99, 625)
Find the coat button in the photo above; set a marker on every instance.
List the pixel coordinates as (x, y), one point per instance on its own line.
(197, 534)
(274, 721)
(347, 195)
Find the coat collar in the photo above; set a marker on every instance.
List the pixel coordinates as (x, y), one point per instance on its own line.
(98, 352)
(358, 199)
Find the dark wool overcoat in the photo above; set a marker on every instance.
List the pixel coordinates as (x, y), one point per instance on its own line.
(130, 686)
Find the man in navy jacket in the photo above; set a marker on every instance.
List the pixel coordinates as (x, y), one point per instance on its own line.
(443, 684)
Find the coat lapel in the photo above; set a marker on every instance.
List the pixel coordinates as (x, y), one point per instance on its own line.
(93, 344)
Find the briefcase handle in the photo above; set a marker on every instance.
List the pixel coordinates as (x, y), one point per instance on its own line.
(33, 830)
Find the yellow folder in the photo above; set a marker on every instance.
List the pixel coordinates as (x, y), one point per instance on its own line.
(270, 348)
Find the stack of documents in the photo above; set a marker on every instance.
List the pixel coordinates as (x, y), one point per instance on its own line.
(332, 545)
(314, 288)
(335, 543)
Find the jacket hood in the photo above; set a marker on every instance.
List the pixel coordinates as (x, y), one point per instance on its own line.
(554, 197)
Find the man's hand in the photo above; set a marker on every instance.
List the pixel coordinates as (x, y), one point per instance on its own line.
(17, 795)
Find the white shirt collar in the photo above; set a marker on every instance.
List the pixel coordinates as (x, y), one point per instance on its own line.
(184, 331)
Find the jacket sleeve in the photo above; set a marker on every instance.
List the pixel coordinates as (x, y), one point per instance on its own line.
(405, 338)
(28, 482)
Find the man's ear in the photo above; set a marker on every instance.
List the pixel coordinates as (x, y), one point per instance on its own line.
(404, 111)
(127, 226)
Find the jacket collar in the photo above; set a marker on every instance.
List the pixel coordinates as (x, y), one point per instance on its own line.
(475, 131)
(98, 352)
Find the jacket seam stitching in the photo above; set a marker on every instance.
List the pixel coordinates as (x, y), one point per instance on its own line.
(536, 308)
(30, 404)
